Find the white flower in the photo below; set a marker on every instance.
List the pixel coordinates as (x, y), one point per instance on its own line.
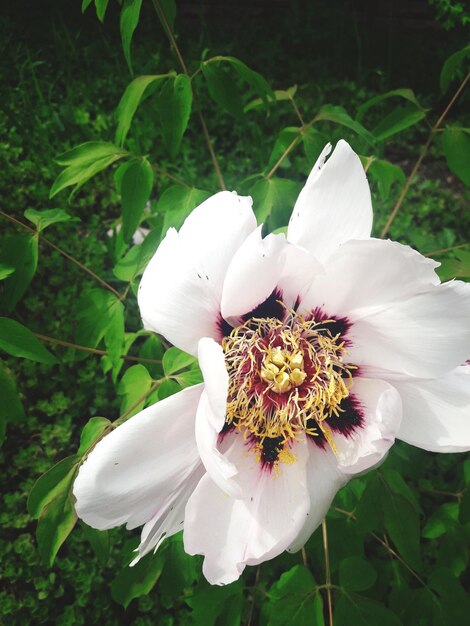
(317, 350)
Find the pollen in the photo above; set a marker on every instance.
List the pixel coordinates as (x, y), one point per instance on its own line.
(286, 378)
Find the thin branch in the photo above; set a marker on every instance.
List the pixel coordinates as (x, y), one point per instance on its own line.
(419, 160)
(62, 252)
(76, 346)
(161, 13)
(124, 416)
(327, 572)
(297, 110)
(444, 250)
(170, 176)
(304, 557)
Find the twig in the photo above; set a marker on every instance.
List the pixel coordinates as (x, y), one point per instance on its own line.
(297, 110)
(327, 572)
(159, 9)
(124, 416)
(419, 160)
(444, 250)
(170, 176)
(62, 252)
(253, 599)
(76, 346)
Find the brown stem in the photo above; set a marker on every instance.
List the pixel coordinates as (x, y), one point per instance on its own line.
(444, 250)
(286, 152)
(62, 252)
(419, 160)
(167, 174)
(123, 417)
(327, 572)
(159, 9)
(76, 346)
(297, 110)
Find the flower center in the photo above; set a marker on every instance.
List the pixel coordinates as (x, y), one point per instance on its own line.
(285, 378)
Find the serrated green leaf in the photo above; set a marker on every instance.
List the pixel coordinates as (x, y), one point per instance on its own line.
(92, 432)
(99, 541)
(176, 203)
(48, 486)
(128, 21)
(356, 574)
(452, 66)
(11, 407)
(138, 580)
(457, 150)
(175, 360)
(137, 258)
(135, 383)
(174, 109)
(136, 185)
(80, 174)
(223, 89)
(47, 217)
(129, 102)
(56, 522)
(21, 253)
(398, 120)
(17, 340)
(339, 115)
(405, 94)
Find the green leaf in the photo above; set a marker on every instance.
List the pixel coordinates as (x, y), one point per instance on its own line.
(177, 202)
(223, 89)
(92, 432)
(21, 253)
(88, 153)
(386, 174)
(43, 219)
(284, 139)
(17, 340)
(129, 102)
(11, 407)
(100, 313)
(101, 6)
(114, 333)
(295, 599)
(174, 108)
(274, 198)
(405, 94)
(254, 79)
(99, 541)
(135, 383)
(455, 268)
(136, 186)
(56, 522)
(451, 67)
(368, 513)
(86, 4)
(128, 21)
(338, 115)
(138, 580)
(457, 150)
(352, 609)
(213, 605)
(50, 484)
(5, 271)
(279, 95)
(137, 258)
(401, 521)
(80, 174)
(313, 141)
(175, 360)
(398, 120)
(356, 574)
(189, 378)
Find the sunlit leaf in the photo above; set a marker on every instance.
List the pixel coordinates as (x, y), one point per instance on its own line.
(17, 340)
(175, 360)
(174, 110)
(56, 522)
(47, 217)
(177, 202)
(405, 94)
(92, 432)
(338, 115)
(398, 120)
(137, 258)
(21, 253)
(136, 185)
(48, 486)
(135, 383)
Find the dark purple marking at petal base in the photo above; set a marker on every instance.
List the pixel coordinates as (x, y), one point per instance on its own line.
(223, 327)
(271, 307)
(336, 326)
(350, 419)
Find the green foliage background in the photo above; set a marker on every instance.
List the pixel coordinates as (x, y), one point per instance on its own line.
(398, 537)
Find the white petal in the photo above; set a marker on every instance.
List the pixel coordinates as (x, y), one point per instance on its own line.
(436, 413)
(324, 480)
(426, 335)
(369, 273)
(212, 363)
(334, 206)
(262, 266)
(232, 533)
(180, 292)
(381, 410)
(136, 469)
(168, 520)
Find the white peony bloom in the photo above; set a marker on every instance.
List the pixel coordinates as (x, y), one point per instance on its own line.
(318, 349)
